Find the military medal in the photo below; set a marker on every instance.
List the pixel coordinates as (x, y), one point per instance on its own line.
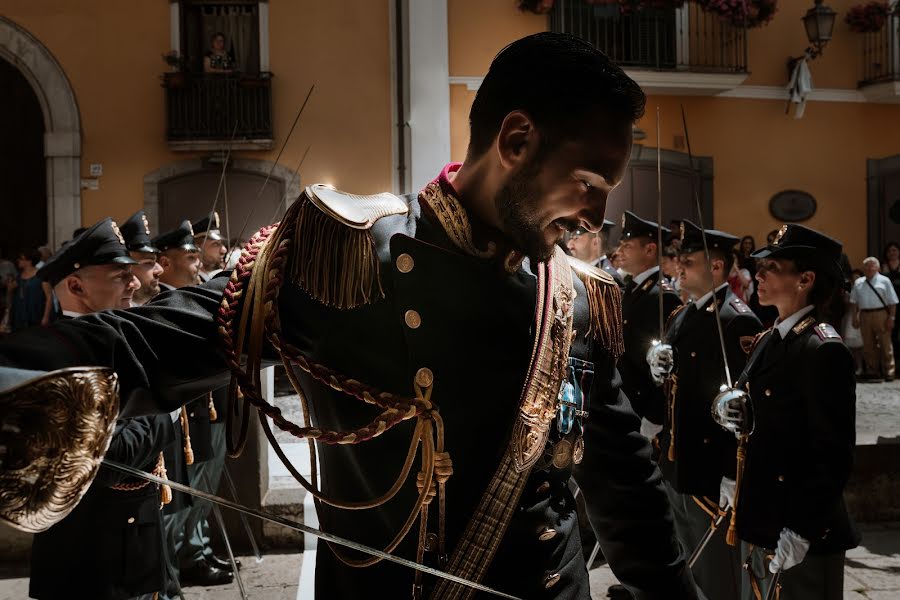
(562, 454)
(578, 451)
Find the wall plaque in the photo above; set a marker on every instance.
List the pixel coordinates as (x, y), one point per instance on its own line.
(792, 206)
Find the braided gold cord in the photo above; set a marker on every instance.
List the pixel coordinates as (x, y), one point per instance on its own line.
(257, 281)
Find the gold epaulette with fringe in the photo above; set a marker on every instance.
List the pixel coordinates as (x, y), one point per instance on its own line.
(605, 303)
(334, 258)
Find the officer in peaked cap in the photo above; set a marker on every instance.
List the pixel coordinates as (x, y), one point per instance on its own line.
(136, 231)
(695, 453)
(92, 272)
(118, 519)
(212, 245)
(640, 315)
(179, 257)
(790, 507)
(592, 248)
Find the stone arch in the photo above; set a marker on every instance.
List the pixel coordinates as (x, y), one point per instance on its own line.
(62, 136)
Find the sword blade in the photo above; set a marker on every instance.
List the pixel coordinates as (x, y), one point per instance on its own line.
(704, 541)
(304, 528)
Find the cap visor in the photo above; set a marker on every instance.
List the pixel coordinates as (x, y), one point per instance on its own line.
(144, 248)
(122, 260)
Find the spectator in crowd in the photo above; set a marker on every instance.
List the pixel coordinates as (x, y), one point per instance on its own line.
(28, 297)
(874, 304)
(45, 253)
(851, 334)
(217, 60)
(891, 270)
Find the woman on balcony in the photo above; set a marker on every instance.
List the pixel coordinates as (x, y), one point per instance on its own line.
(217, 60)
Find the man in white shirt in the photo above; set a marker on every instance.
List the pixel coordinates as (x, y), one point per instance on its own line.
(873, 301)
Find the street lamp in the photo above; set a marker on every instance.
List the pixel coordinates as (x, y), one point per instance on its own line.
(819, 24)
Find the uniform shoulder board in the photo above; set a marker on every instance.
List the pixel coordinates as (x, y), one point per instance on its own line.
(803, 325)
(333, 253)
(605, 303)
(827, 332)
(675, 312)
(749, 342)
(738, 305)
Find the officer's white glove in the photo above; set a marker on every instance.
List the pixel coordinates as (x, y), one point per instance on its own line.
(726, 493)
(790, 552)
(661, 360)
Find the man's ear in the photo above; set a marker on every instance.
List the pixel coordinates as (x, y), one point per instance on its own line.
(807, 278)
(517, 140)
(75, 286)
(163, 261)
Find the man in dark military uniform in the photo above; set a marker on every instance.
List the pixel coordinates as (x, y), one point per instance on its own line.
(179, 257)
(640, 315)
(186, 526)
(415, 323)
(790, 510)
(212, 245)
(111, 545)
(198, 563)
(136, 232)
(695, 453)
(593, 247)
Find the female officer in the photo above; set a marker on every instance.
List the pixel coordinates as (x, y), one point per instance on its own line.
(790, 511)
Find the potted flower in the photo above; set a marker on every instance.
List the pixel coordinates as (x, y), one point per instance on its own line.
(741, 13)
(867, 18)
(178, 76)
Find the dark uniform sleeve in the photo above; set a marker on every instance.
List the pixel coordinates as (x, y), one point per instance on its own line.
(625, 499)
(137, 442)
(830, 408)
(165, 353)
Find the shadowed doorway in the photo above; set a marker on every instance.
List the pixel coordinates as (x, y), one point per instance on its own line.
(23, 181)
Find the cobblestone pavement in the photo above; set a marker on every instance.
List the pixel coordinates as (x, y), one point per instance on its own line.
(878, 413)
(871, 572)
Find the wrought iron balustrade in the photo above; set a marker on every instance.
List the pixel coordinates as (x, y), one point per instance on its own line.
(210, 107)
(684, 39)
(881, 52)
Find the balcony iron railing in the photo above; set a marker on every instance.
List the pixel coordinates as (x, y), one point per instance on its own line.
(215, 106)
(684, 39)
(881, 52)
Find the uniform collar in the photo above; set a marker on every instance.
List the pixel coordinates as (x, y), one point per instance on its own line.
(72, 313)
(642, 277)
(701, 302)
(784, 327)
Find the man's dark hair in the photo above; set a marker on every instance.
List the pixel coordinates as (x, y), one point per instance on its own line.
(560, 81)
(670, 252)
(32, 255)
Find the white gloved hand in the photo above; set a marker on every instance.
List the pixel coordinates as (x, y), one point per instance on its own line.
(790, 552)
(726, 493)
(661, 360)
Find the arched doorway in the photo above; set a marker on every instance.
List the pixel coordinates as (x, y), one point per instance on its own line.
(186, 189)
(22, 173)
(638, 191)
(61, 128)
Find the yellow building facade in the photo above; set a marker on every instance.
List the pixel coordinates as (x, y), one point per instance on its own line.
(393, 85)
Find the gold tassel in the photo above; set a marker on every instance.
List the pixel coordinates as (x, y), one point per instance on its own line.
(731, 535)
(605, 304)
(334, 263)
(213, 414)
(672, 389)
(185, 426)
(165, 492)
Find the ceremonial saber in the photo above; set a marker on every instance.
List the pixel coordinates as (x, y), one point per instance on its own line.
(659, 247)
(221, 523)
(704, 541)
(234, 496)
(772, 593)
(303, 528)
(696, 193)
